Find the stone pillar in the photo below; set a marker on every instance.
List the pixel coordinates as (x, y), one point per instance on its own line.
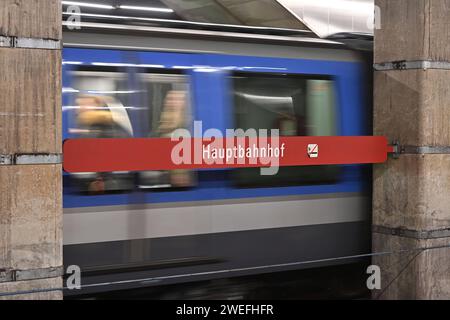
(411, 203)
(30, 148)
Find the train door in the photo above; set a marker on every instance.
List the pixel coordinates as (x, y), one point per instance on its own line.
(169, 100)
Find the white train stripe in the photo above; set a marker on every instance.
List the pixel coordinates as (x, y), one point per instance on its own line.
(145, 223)
(199, 203)
(169, 43)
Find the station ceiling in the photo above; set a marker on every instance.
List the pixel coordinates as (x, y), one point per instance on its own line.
(261, 13)
(323, 17)
(329, 17)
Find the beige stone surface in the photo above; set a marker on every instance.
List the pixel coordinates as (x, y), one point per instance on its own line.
(30, 122)
(5, 238)
(412, 192)
(409, 272)
(31, 207)
(391, 266)
(413, 107)
(21, 286)
(31, 18)
(413, 30)
(30, 101)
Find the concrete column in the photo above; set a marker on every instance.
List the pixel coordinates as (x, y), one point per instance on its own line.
(411, 203)
(30, 143)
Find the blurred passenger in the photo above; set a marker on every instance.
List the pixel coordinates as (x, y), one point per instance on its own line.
(103, 117)
(287, 125)
(175, 116)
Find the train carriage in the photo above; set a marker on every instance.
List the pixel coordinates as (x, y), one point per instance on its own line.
(181, 226)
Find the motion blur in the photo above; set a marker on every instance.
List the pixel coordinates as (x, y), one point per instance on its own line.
(179, 226)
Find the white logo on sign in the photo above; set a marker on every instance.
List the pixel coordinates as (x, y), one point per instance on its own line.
(313, 150)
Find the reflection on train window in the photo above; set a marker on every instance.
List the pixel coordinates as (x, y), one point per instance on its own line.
(297, 106)
(165, 108)
(100, 109)
(101, 105)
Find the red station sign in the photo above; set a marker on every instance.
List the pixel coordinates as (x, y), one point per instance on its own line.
(148, 154)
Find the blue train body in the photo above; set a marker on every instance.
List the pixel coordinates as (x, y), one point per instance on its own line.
(210, 92)
(198, 232)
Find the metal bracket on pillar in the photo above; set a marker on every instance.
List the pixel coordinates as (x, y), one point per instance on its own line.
(5, 42)
(398, 150)
(425, 150)
(29, 43)
(414, 234)
(29, 159)
(9, 275)
(395, 151)
(412, 65)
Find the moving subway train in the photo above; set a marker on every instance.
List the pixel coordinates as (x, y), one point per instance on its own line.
(180, 226)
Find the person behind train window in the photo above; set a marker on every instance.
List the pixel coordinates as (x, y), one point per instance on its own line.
(287, 125)
(103, 117)
(300, 107)
(175, 115)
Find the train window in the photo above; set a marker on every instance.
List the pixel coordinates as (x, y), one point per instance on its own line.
(100, 108)
(165, 108)
(101, 105)
(163, 95)
(297, 106)
(106, 103)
